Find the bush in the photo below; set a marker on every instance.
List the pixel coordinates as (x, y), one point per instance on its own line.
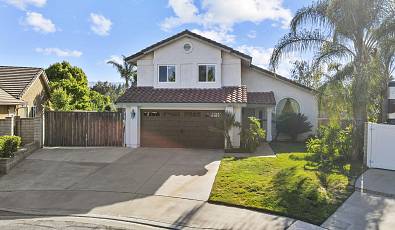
(292, 124)
(332, 146)
(9, 145)
(253, 136)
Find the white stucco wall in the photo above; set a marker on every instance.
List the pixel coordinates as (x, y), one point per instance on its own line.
(231, 70)
(257, 81)
(145, 70)
(228, 67)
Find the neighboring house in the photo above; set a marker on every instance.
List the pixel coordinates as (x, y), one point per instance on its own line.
(23, 91)
(186, 82)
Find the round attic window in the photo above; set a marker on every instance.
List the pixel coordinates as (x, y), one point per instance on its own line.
(188, 47)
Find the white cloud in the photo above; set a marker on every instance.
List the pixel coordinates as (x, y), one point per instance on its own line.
(59, 52)
(23, 4)
(220, 15)
(39, 23)
(252, 34)
(218, 36)
(185, 11)
(261, 57)
(100, 24)
(115, 58)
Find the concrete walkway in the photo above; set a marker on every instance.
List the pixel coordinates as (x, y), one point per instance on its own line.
(371, 206)
(167, 187)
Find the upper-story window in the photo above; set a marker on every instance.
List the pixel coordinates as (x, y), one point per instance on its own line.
(207, 73)
(167, 73)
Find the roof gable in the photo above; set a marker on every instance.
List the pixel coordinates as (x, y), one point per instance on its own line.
(7, 99)
(187, 33)
(16, 80)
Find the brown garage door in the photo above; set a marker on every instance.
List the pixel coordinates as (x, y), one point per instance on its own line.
(181, 129)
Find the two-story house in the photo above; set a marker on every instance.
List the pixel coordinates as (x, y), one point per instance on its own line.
(186, 82)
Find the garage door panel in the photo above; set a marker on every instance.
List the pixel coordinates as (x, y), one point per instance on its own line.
(179, 128)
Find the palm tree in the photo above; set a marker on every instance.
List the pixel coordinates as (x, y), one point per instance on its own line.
(347, 31)
(126, 70)
(224, 126)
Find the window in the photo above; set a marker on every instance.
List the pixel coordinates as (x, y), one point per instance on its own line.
(33, 111)
(207, 73)
(187, 47)
(192, 114)
(171, 114)
(287, 105)
(167, 73)
(151, 114)
(213, 114)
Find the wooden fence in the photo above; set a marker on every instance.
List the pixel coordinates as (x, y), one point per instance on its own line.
(84, 128)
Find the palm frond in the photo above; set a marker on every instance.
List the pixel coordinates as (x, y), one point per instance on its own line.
(314, 14)
(330, 52)
(296, 42)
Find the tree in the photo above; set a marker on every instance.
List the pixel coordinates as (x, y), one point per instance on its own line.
(348, 31)
(292, 124)
(71, 91)
(112, 90)
(305, 74)
(224, 126)
(60, 100)
(126, 70)
(63, 71)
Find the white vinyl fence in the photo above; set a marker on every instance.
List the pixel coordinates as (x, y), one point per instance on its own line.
(380, 146)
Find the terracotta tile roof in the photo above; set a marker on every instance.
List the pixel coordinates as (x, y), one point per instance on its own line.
(190, 95)
(266, 98)
(15, 80)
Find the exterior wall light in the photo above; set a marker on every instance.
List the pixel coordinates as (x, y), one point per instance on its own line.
(132, 114)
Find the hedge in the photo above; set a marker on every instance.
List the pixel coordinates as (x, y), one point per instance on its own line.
(9, 145)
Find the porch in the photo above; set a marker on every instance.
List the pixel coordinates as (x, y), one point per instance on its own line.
(262, 106)
(265, 114)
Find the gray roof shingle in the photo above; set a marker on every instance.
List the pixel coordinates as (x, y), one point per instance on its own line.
(7, 99)
(15, 80)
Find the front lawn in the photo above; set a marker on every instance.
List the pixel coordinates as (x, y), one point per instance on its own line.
(281, 185)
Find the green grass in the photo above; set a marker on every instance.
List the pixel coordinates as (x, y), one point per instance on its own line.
(281, 185)
(288, 147)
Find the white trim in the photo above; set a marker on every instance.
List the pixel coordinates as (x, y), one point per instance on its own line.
(167, 73)
(191, 37)
(269, 119)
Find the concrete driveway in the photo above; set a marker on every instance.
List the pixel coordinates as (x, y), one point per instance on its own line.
(165, 187)
(371, 206)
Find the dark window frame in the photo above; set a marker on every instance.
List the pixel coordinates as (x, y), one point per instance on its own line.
(207, 67)
(168, 80)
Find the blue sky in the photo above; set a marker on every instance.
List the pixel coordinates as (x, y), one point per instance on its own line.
(87, 33)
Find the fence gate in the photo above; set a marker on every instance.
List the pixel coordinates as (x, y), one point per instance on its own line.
(380, 146)
(84, 128)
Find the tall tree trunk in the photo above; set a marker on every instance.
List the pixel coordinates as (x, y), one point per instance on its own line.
(360, 88)
(384, 95)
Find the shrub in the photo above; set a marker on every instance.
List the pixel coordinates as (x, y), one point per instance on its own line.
(253, 135)
(332, 146)
(292, 124)
(9, 145)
